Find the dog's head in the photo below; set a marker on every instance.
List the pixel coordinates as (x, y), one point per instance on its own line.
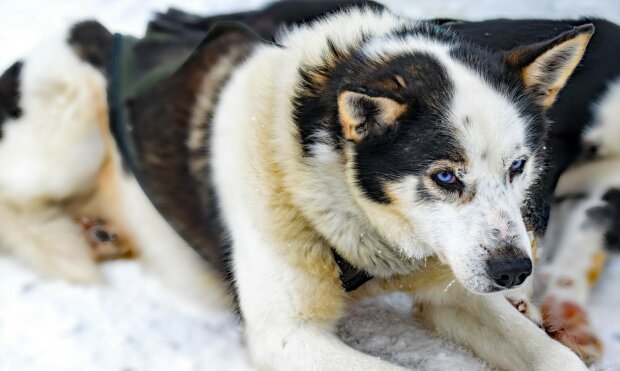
(442, 140)
(52, 114)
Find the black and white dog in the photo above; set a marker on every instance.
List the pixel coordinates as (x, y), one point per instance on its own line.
(585, 134)
(392, 148)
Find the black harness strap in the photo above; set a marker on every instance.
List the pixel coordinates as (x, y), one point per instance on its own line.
(120, 72)
(351, 278)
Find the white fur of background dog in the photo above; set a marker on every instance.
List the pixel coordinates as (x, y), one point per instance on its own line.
(133, 322)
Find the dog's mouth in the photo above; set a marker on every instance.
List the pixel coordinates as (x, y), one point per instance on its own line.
(484, 284)
(489, 273)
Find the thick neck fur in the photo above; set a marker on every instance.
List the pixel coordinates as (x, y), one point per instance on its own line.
(318, 187)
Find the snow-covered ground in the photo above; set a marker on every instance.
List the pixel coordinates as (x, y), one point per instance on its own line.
(133, 322)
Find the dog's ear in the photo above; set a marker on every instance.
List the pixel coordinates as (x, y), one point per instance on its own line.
(362, 115)
(546, 66)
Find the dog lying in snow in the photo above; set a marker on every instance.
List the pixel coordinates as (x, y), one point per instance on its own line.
(332, 161)
(585, 128)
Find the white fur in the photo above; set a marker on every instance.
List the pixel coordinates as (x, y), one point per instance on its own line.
(164, 253)
(496, 332)
(605, 129)
(53, 152)
(49, 240)
(573, 238)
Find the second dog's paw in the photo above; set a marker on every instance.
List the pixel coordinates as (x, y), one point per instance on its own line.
(104, 243)
(528, 309)
(568, 323)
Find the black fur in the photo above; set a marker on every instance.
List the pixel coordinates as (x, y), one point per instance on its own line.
(181, 192)
(265, 21)
(10, 94)
(608, 216)
(92, 43)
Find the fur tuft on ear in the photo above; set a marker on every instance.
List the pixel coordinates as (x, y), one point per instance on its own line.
(545, 67)
(362, 115)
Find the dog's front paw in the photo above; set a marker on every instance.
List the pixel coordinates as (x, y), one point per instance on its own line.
(558, 358)
(568, 323)
(104, 243)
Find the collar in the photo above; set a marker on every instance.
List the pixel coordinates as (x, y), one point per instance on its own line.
(351, 277)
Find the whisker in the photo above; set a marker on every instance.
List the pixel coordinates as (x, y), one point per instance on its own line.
(450, 284)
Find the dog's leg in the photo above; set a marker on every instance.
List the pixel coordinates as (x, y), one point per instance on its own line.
(575, 267)
(497, 333)
(290, 311)
(48, 240)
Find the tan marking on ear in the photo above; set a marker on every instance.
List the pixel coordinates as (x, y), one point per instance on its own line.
(347, 120)
(534, 74)
(352, 119)
(390, 110)
(598, 262)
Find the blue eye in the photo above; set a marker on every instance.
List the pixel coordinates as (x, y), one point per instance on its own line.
(517, 166)
(446, 177)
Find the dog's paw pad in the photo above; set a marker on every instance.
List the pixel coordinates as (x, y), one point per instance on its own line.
(104, 243)
(568, 323)
(527, 309)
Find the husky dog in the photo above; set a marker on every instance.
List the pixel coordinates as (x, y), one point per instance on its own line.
(584, 124)
(585, 129)
(390, 147)
(388, 143)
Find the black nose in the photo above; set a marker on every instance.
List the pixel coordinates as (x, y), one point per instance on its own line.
(509, 272)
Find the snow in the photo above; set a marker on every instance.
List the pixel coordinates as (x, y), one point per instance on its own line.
(134, 322)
